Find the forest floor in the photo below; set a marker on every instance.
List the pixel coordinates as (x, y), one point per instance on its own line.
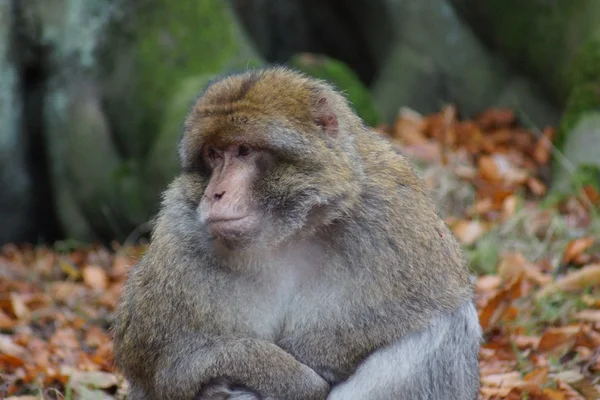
(536, 258)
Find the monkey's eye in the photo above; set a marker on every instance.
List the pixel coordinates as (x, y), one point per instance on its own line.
(213, 154)
(244, 150)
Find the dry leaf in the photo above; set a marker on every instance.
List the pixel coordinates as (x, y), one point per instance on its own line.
(487, 282)
(469, 231)
(538, 375)
(536, 186)
(576, 247)
(498, 304)
(512, 265)
(551, 394)
(94, 379)
(543, 146)
(409, 127)
(577, 280)
(95, 277)
(488, 169)
(8, 347)
(555, 337)
(588, 315)
(19, 308)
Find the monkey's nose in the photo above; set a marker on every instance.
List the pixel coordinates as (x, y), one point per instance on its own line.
(218, 196)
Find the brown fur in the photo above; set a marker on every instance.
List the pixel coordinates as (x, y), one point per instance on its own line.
(373, 260)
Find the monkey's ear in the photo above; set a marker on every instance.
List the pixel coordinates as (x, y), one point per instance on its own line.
(325, 117)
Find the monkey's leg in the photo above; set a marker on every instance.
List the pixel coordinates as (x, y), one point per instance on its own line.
(439, 362)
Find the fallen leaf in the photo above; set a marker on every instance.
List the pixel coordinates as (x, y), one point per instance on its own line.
(555, 337)
(577, 280)
(536, 186)
(588, 315)
(568, 376)
(576, 247)
(95, 277)
(586, 387)
(495, 118)
(469, 231)
(19, 308)
(512, 265)
(7, 322)
(592, 194)
(94, 379)
(538, 375)
(487, 282)
(551, 394)
(488, 169)
(543, 146)
(497, 305)
(70, 269)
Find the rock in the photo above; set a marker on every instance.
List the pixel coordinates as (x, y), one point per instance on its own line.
(162, 162)
(580, 163)
(561, 50)
(120, 82)
(436, 59)
(341, 76)
(356, 32)
(539, 37)
(17, 205)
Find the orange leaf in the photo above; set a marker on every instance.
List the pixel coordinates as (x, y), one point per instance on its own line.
(576, 247)
(488, 169)
(578, 280)
(95, 277)
(509, 207)
(538, 376)
(497, 305)
(496, 118)
(19, 308)
(469, 231)
(487, 282)
(592, 194)
(513, 264)
(7, 322)
(555, 337)
(536, 186)
(541, 152)
(409, 127)
(552, 394)
(588, 315)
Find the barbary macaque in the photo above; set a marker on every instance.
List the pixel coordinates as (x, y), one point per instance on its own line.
(296, 257)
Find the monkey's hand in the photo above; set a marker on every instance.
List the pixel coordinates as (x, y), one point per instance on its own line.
(223, 390)
(192, 364)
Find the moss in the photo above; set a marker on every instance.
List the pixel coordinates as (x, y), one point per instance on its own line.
(539, 37)
(584, 98)
(586, 174)
(584, 79)
(585, 67)
(155, 46)
(179, 39)
(343, 78)
(162, 160)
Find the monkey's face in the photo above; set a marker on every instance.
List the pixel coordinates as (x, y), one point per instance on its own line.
(270, 157)
(227, 207)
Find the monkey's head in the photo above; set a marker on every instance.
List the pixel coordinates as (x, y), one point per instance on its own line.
(269, 154)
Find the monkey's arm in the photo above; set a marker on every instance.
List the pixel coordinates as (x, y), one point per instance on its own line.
(439, 362)
(191, 362)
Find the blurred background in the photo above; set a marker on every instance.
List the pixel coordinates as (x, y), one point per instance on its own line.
(496, 101)
(93, 92)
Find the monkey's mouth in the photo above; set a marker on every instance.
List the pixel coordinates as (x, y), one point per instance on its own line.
(230, 226)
